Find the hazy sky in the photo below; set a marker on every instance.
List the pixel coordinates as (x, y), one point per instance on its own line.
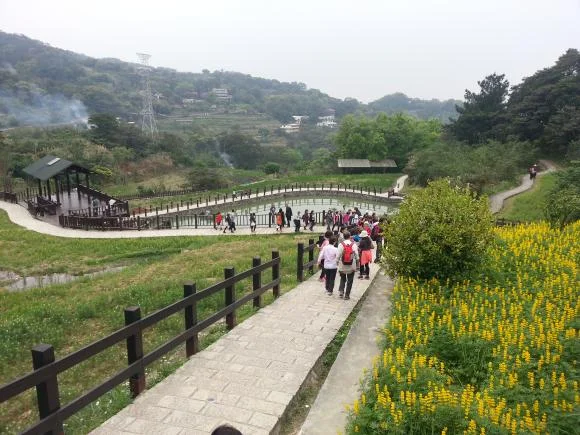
(362, 49)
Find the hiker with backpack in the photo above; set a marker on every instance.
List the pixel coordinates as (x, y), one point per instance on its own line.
(347, 265)
(329, 258)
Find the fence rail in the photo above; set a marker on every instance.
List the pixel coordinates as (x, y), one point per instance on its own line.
(301, 266)
(9, 197)
(158, 221)
(46, 368)
(247, 193)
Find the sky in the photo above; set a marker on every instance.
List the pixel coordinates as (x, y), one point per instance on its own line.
(361, 49)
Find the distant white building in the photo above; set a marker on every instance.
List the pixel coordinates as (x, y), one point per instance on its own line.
(326, 121)
(295, 126)
(222, 94)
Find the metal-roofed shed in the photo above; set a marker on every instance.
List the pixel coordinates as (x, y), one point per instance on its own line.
(50, 166)
(366, 165)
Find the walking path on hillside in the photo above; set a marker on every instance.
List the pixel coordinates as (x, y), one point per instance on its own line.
(496, 201)
(20, 216)
(342, 385)
(250, 375)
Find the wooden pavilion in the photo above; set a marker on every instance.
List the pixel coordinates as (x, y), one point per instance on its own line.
(54, 197)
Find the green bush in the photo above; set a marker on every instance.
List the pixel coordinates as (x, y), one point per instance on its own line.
(441, 231)
(563, 203)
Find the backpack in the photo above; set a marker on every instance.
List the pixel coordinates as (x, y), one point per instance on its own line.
(346, 253)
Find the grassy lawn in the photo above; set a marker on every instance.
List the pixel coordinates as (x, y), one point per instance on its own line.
(72, 315)
(529, 206)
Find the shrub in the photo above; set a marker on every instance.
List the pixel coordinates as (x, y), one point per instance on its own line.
(271, 168)
(563, 204)
(440, 231)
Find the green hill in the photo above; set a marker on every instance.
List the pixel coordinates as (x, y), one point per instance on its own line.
(40, 85)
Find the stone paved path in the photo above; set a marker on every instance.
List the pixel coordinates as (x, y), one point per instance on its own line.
(249, 376)
(342, 385)
(496, 201)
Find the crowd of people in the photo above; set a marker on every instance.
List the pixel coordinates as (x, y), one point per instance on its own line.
(349, 250)
(335, 221)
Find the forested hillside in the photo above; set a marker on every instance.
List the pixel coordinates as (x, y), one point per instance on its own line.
(40, 84)
(422, 109)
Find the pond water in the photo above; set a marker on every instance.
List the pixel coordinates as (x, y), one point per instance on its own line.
(19, 283)
(320, 204)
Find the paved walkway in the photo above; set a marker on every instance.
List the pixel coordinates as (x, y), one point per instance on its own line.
(20, 216)
(250, 375)
(342, 385)
(496, 201)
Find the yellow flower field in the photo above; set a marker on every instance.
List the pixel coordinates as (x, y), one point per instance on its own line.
(498, 355)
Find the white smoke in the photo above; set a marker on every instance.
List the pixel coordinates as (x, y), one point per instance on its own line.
(30, 106)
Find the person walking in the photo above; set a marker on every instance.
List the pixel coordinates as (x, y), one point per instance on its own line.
(347, 265)
(297, 223)
(279, 220)
(311, 220)
(272, 214)
(329, 257)
(253, 222)
(328, 218)
(232, 221)
(324, 242)
(365, 248)
(288, 215)
(219, 219)
(305, 218)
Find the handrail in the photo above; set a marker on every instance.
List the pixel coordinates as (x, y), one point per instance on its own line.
(300, 258)
(45, 379)
(370, 190)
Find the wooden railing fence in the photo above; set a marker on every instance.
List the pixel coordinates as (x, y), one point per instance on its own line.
(9, 197)
(247, 193)
(47, 368)
(301, 266)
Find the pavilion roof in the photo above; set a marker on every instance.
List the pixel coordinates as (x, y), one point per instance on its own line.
(49, 166)
(365, 163)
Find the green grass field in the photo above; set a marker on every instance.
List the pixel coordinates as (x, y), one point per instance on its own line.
(72, 315)
(529, 206)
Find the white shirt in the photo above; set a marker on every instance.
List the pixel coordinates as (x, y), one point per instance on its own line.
(330, 255)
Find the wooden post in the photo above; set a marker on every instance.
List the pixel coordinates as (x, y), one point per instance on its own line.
(230, 298)
(311, 255)
(191, 344)
(195, 220)
(257, 281)
(276, 273)
(177, 221)
(157, 216)
(135, 351)
(300, 262)
(47, 391)
(68, 183)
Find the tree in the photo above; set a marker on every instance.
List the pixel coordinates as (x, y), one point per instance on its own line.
(105, 128)
(272, 168)
(544, 108)
(482, 116)
(440, 232)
